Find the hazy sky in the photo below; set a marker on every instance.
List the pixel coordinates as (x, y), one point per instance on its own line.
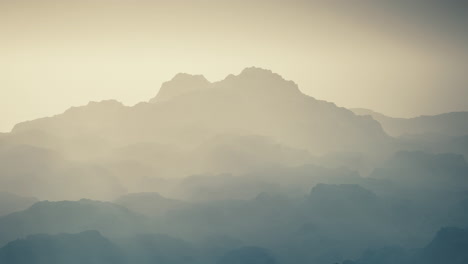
(401, 58)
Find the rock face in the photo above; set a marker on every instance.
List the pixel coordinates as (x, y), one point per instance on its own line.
(189, 110)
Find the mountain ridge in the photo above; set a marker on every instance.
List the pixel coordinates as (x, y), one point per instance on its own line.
(256, 101)
(448, 124)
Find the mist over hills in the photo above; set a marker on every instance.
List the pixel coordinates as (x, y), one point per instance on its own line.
(314, 228)
(10, 203)
(70, 217)
(453, 124)
(247, 122)
(247, 169)
(85, 247)
(92, 247)
(448, 243)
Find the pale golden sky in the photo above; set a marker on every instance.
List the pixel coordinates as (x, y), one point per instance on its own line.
(401, 58)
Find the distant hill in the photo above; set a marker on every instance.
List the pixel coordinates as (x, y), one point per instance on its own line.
(86, 247)
(10, 203)
(29, 170)
(152, 204)
(70, 217)
(248, 255)
(450, 124)
(425, 170)
(448, 246)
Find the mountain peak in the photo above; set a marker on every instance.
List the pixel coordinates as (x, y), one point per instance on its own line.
(264, 81)
(256, 73)
(180, 84)
(257, 70)
(182, 76)
(250, 80)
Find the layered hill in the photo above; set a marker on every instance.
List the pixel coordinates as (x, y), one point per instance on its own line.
(70, 217)
(10, 203)
(85, 247)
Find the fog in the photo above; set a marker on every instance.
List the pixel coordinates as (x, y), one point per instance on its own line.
(57, 54)
(346, 143)
(244, 170)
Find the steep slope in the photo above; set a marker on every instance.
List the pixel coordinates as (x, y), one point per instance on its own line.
(181, 84)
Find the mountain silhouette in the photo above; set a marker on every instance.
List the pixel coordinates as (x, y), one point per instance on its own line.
(181, 84)
(161, 249)
(425, 170)
(189, 110)
(447, 246)
(245, 123)
(247, 255)
(152, 204)
(70, 217)
(85, 247)
(450, 124)
(10, 203)
(29, 170)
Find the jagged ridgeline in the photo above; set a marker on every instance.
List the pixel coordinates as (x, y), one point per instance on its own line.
(244, 170)
(189, 110)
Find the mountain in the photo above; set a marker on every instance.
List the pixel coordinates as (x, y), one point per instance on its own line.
(294, 180)
(422, 170)
(151, 204)
(248, 255)
(70, 217)
(10, 203)
(245, 123)
(181, 84)
(188, 111)
(29, 170)
(161, 249)
(85, 247)
(449, 124)
(447, 246)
